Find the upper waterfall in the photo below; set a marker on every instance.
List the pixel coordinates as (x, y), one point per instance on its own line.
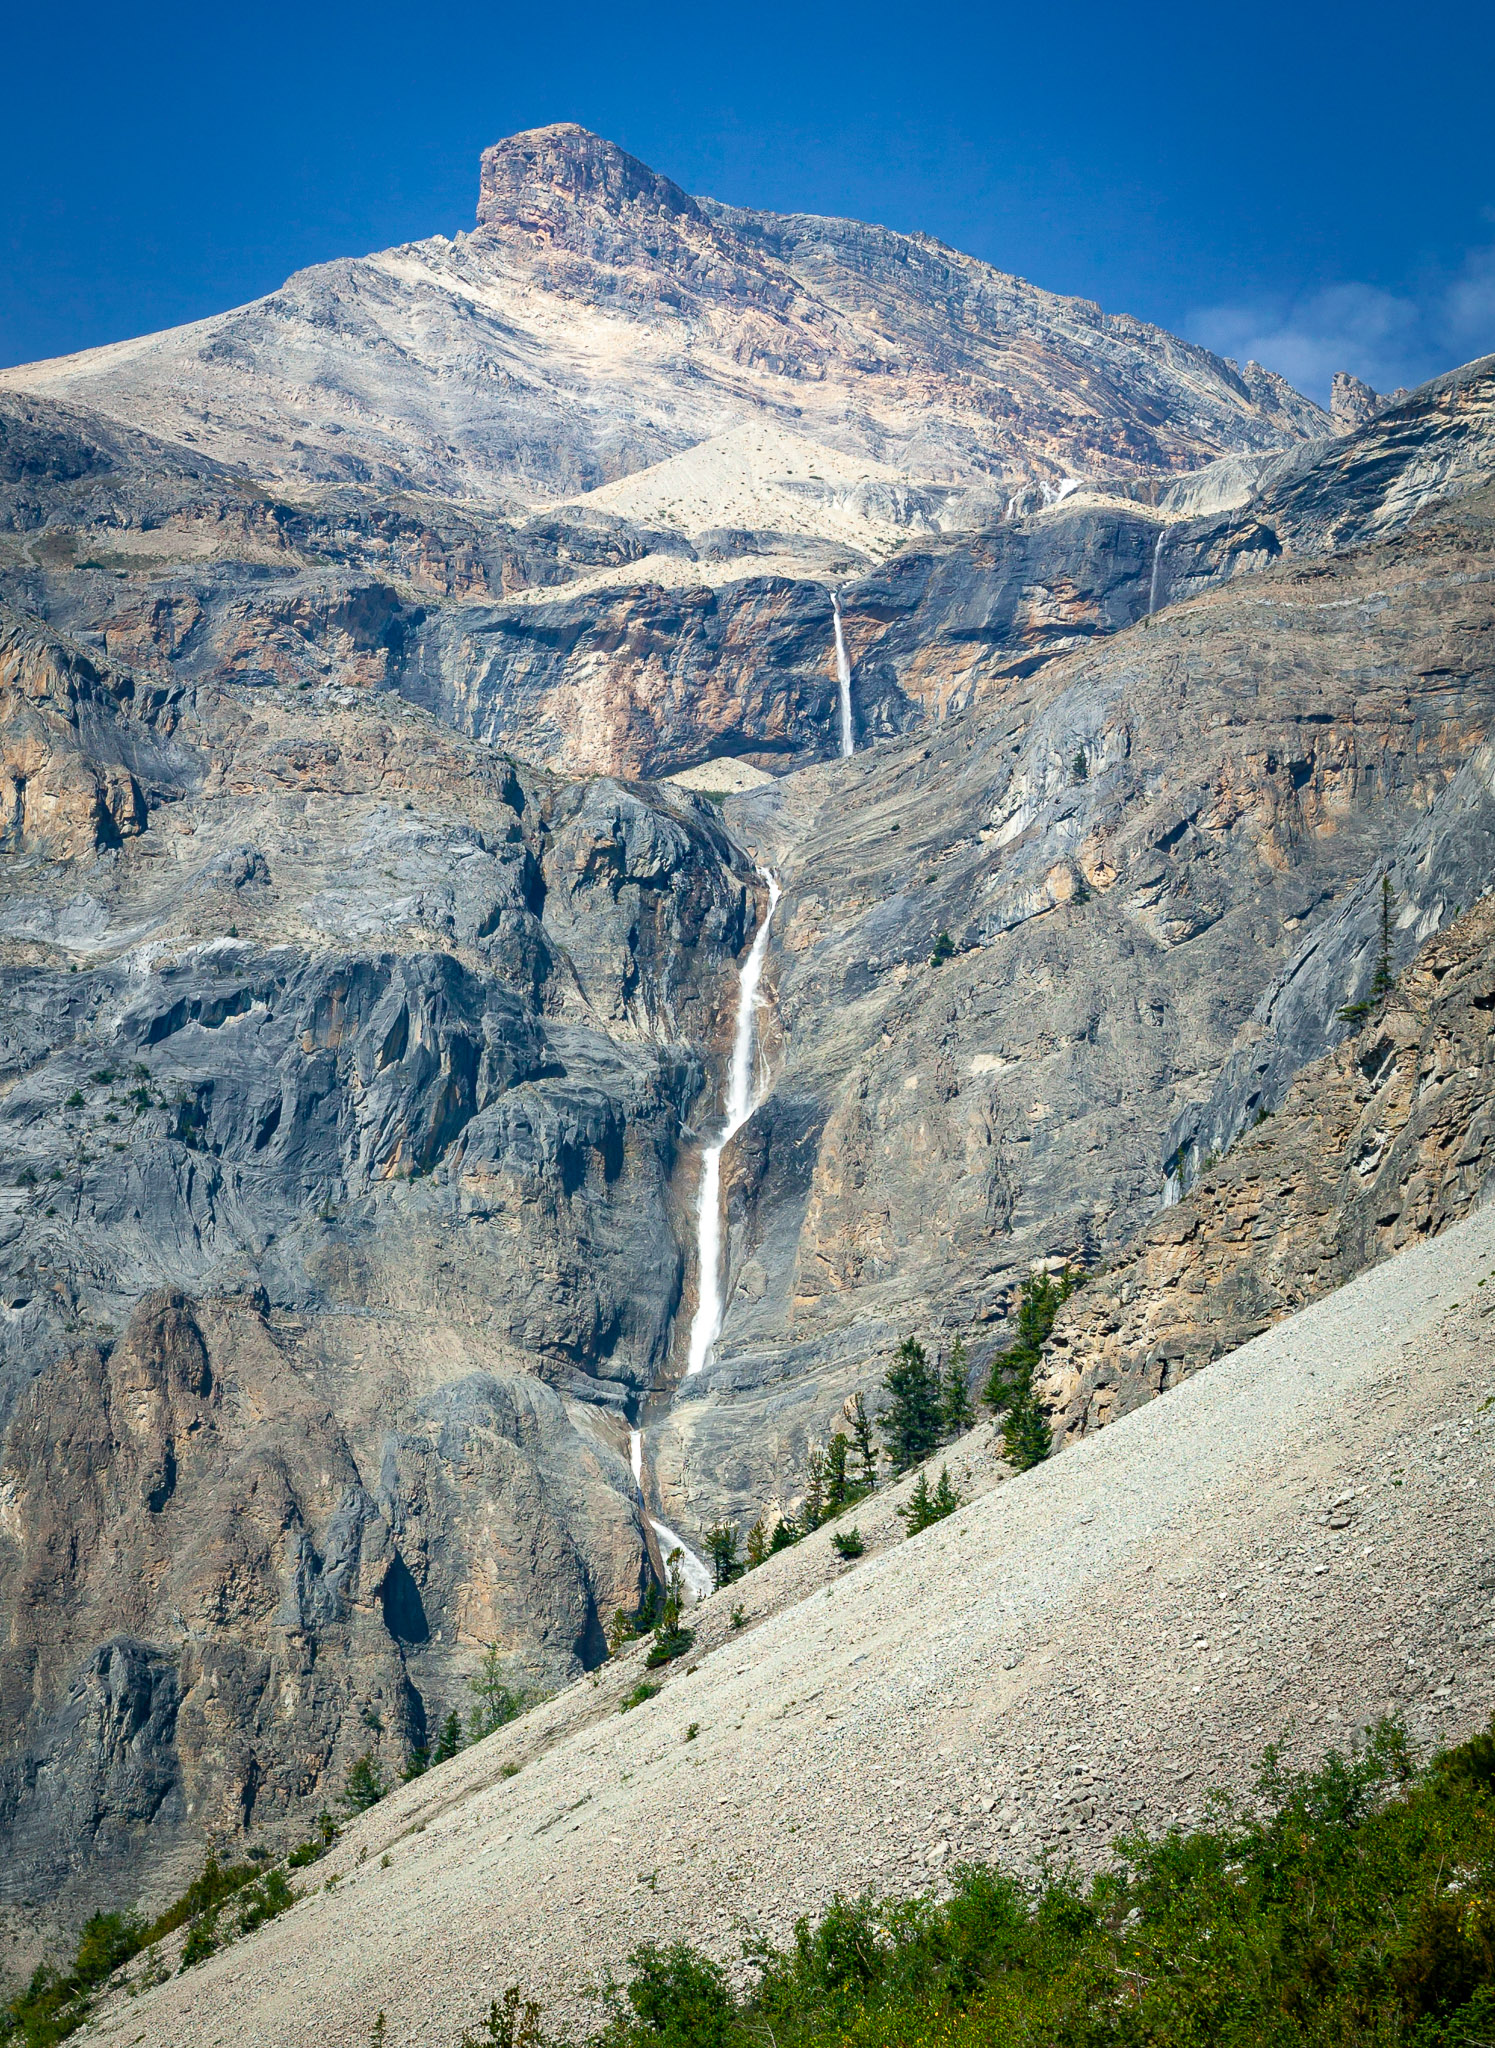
(843, 679)
(740, 1104)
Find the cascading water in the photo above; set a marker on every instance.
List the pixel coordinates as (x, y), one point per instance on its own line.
(695, 1574)
(741, 1102)
(1157, 556)
(843, 679)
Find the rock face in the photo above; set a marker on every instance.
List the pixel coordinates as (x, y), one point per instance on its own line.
(435, 367)
(1157, 863)
(1383, 1143)
(363, 1002)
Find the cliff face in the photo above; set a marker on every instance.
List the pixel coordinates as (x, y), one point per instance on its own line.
(363, 1002)
(1383, 1142)
(437, 367)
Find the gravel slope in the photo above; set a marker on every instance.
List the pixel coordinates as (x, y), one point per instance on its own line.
(1303, 1537)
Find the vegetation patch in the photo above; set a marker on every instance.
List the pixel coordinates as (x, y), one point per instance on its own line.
(1349, 1907)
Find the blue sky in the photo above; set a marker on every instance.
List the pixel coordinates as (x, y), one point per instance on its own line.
(1313, 185)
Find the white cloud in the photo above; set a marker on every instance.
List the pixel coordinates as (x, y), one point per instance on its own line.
(1386, 338)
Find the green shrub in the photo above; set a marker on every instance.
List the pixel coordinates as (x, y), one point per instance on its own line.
(944, 949)
(1348, 1907)
(849, 1542)
(641, 1692)
(512, 2022)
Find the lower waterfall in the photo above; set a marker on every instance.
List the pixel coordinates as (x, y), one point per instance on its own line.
(742, 1100)
(843, 680)
(695, 1573)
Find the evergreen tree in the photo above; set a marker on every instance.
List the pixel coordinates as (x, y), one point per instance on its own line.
(946, 1499)
(366, 1784)
(721, 1547)
(925, 1508)
(785, 1533)
(418, 1762)
(448, 1738)
(911, 1421)
(837, 1484)
(497, 1702)
(1385, 980)
(861, 1436)
(757, 1545)
(812, 1510)
(958, 1413)
(671, 1637)
(1025, 1431)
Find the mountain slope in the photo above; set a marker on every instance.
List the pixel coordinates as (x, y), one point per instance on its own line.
(1296, 1542)
(599, 320)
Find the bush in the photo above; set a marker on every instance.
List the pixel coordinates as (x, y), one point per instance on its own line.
(944, 949)
(512, 2022)
(849, 1542)
(678, 1999)
(641, 1692)
(1348, 1907)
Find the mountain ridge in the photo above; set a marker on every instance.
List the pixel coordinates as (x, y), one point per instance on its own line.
(514, 361)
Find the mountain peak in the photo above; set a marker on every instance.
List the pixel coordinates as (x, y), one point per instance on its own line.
(525, 176)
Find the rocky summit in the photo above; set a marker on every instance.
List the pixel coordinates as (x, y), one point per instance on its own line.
(654, 787)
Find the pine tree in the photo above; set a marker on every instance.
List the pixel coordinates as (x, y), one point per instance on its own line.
(721, 1546)
(785, 1534)
(498, 1703)
(757, 1545)
(1385, 980)
(812, 1509)
(919, 1512)
(861, 1436)
(946, 1499)
(418, 1762)
(958, 1414)
(1025, 1430)
(448, 1738)
(366, 1784)
(911, 1421)
(671, 1637)
(837, 1484)
(925, 1508)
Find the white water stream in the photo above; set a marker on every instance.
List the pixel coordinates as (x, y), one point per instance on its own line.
(742, 1100)
(843, 679)
(1157, 556)
(695, 1573)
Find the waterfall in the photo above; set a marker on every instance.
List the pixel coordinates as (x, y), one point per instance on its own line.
(1157, 556)
(843, 679)
(695, 1573)
(741, 1102)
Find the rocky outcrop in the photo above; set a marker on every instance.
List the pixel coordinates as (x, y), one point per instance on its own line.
(219, 1588)
(1383, 1143)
